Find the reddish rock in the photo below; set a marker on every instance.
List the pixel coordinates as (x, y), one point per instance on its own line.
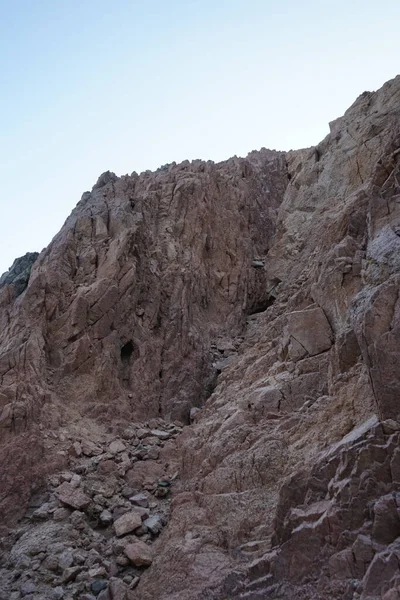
(140, 554)
(264, 290)
(72, 496)
(127, 523)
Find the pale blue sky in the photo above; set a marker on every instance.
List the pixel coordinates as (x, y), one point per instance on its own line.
(90, 85)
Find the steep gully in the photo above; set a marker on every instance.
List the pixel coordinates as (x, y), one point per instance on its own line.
(257, 298)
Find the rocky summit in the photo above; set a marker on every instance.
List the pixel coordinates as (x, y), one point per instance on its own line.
(200, 381)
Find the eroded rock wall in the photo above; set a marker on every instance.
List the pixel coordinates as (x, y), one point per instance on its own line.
(313, 368)
(264, 292)
(122, 308)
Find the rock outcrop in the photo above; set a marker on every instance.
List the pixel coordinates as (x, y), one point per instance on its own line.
(256, 303)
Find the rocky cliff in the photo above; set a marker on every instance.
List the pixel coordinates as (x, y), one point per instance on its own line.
(220, 339)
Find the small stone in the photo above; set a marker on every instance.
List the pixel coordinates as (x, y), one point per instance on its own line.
(161, 492)
(76, 480)
(162, 435)
(57, 593)
(143, 512)
(106, 517)
(122, 560)
(140, 500)
(118, 589)
(67, 476)
(97, 571)
(98, 585)
(194, 411)
(80, 557)
(51, 563)
(61, 514)
(134, 582)
(93, 558)
(71, 496)
(65, 560)
(127, 491)
(127, 523)
(90, 449)
(75, 449)
(164, 483)
(78, 520)
(42, 513)
(142, 530)
(390, 426)
(139, 554)
(54, 480)
(70, 574)
(106, 467)
(27, 588)
(141, 433)
(128, 433)
(153, 524)
(153, 453)
(99, 499)
(117, 446)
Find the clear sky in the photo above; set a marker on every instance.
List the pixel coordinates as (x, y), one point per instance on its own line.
(128, 85)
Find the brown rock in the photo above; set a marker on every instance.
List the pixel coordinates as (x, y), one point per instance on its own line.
(311, 330)
(140, 554)
(90, 449)
(71, 496)
(127, 523)
(264, 290)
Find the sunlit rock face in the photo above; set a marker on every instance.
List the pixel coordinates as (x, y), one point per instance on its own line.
(255, 303)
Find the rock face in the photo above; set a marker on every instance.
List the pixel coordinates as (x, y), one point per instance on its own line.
(257, 299)
(19, 273)
(122, 309)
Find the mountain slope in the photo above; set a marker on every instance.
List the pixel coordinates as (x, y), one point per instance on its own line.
(264, 292)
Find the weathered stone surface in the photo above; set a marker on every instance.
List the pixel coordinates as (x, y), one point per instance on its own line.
(18, 275)
(71, 496)
(117, 446)
(264, 291)
(127, 523)
(140, 500)
(140, 554)
(154, 524)
(310, 329)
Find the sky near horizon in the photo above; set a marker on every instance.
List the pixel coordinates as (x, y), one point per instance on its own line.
(89, 86)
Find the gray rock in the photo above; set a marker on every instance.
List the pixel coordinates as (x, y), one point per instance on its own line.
(57, 593)
(78, 520)
(28, 587)
(98, 585)
(161, 435)
(19, 273)
(106, 517)
(140, 500)
(117, 446)
(70, 574)
(42, 513)
(66, 560)
(154, 524)
(61, 514)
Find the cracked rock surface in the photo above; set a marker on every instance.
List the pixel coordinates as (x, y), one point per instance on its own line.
(200, 381)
